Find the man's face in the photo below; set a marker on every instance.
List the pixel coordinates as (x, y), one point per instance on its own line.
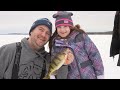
(40, 36)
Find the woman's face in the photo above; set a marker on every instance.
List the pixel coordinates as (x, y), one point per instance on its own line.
(63, 31)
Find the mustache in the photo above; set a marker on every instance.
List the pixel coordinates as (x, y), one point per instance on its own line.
(41, 38)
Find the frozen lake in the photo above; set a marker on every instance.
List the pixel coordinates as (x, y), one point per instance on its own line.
(112, 71)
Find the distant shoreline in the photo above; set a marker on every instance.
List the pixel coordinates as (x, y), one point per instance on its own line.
(100, 33)
(89, 33)
(15, 34)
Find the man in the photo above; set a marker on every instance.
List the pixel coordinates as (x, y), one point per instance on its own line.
(30, 61)
(115, 43)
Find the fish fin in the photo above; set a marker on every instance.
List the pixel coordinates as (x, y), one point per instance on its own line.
(55, 72)
(47, 77)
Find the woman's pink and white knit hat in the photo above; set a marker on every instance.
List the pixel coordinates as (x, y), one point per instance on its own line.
(63, 18)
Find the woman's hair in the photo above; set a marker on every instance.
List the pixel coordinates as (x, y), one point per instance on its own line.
(77, 28)
(74, 28)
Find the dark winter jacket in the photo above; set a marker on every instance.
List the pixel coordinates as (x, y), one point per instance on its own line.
(31, 62)
(115, 43)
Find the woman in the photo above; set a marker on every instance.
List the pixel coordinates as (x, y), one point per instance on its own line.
(84, 58)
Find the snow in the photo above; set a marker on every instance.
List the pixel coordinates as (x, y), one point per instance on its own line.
(112, 71)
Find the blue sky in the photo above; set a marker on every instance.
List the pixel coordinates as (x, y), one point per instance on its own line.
(21, 21)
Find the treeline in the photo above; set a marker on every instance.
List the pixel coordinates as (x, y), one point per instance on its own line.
(91, 33)
(102, 33)
(17, 33)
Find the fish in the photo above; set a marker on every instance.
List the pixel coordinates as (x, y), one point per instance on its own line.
(58, 60)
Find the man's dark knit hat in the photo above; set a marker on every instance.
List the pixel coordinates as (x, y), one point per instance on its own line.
(42, 21)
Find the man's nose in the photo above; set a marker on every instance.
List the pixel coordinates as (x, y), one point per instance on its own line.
(43, 34)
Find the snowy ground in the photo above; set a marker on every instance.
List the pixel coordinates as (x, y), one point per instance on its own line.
(112, 71)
